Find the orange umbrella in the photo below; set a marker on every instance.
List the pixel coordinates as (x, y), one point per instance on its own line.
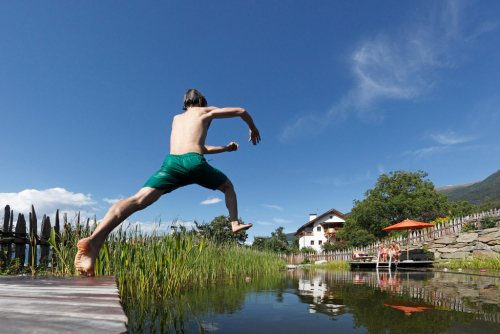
(409, 307)
(407, 225)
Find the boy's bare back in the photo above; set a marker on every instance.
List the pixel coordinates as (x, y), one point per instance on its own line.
(189, 130)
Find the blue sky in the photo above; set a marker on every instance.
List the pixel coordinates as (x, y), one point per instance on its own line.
(340, 91)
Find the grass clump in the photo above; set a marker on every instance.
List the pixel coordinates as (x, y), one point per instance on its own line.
(344, 265)
(471, 262)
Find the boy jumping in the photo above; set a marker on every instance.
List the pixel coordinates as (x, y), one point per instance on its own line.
(184, 165)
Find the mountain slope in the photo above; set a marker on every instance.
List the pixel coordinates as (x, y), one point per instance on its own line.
(475, 192)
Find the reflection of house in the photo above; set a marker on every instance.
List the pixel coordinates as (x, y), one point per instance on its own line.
(315, 292)
(321, 229)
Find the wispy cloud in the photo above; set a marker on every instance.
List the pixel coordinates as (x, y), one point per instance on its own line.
(401, 66)
(381, 169)
(451, 138)
(273, 207)
(211, 200)
(433, 150)
(449, 142)
(112, 200)
(281, 221)
(264, 223)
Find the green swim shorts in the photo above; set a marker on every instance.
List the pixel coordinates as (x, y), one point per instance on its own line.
(180, 170)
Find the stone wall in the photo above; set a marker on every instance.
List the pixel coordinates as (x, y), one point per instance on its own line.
(481, 243)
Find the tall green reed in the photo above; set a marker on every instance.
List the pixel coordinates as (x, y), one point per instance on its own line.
(159, 264)
(474, 262)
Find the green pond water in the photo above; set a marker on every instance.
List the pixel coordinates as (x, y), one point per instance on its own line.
(320, 301)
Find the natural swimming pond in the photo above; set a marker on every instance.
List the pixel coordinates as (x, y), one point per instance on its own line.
(304, 301)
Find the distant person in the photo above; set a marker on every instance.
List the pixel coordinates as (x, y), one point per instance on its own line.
(183, 166)
(396, 251)
(383, 252)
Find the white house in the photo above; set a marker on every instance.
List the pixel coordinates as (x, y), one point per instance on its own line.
(320, 229)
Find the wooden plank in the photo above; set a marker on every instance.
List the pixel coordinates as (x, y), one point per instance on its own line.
(45, 248)
(20, 231)
(9, 246)
(47, 304)
(33, 227)
(5, 234)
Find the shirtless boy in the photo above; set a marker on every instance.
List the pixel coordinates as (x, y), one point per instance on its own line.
(185, 165)
(396, 251)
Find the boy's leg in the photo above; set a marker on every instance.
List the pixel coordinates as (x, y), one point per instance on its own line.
(232, 205)
(88, 248)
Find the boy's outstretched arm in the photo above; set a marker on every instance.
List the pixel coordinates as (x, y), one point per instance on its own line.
(219, 149)
(236, 112)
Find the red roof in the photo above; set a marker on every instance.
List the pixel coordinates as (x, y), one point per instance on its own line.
(335, 212)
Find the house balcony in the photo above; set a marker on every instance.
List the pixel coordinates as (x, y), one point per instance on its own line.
(306, 233)
(331, 232)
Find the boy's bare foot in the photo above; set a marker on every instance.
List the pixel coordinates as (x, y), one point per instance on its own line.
(85, 258)
(240, 227)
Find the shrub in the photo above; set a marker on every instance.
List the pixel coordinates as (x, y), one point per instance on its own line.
(306, 261)
(333, 247)
(489, 222)
(469, 227)
(308, 249)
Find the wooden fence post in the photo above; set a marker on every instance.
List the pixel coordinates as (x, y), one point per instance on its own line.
(9, 231)
(32, 253)
(20, 239)
(6, 219)
(44, 246)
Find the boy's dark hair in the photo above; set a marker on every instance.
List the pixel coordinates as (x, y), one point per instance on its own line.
(192, 97)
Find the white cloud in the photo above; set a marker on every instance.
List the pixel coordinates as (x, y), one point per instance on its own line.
(450, 138)
(450, 142)
(46, 201)
(281, 221)
(143, 227)
(273, 207)
(264, 223)
(401, 66)
(432, 150)
(211, 200)
(381, 169)
(112, 200)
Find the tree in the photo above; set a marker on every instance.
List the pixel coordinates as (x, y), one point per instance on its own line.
(398, 196)
(276, 243)
(295, 243)
(361, 238)
(220, 230)
(462, 209)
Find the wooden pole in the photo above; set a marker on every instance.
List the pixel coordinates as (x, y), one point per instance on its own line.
(21, 245)
(9, 246)
(44, 246)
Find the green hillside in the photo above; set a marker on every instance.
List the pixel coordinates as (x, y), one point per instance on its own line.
(476, 192)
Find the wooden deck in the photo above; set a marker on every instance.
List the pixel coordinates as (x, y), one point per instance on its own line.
(384, 265)
(60, 305)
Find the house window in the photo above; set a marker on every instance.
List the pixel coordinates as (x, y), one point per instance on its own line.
(318, 229)
(320, 242)
(331, 217)
(312, 242)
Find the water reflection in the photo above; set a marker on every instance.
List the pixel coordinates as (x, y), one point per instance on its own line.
(341, 301)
